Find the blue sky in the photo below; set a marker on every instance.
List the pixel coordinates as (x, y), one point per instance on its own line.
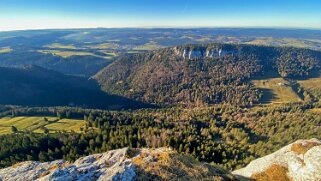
(41, 14)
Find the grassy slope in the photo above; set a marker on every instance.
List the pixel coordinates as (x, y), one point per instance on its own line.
(276, 90)
(312, 85)
(35, 123)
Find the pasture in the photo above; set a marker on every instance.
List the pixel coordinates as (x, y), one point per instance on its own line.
(276, 90)
(37, 124)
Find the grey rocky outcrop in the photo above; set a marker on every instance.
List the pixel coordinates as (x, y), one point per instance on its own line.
(203, 52)
(301, 159)
(112, 165)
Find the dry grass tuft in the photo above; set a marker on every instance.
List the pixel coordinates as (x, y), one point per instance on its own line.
(53, 168)
(273, 173)
(166, 165)
(17, 165)
(302, 149)
(45, 173)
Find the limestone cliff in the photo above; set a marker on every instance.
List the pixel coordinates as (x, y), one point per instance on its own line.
(215, 51)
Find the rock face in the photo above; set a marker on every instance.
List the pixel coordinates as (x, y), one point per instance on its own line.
(217, 51)
(117, 165)
(299, 161)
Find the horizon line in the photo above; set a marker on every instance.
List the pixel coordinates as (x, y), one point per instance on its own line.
(169, 27)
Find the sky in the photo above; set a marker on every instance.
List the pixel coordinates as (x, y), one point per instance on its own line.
(52, 14)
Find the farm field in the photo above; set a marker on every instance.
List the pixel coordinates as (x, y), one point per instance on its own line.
(5, 50)
(61, 46)
(102, 46)
(290, 42)
(36, 124)
(148, 46)
(66, 53)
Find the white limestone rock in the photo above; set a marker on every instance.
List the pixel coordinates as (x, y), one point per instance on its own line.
(301, 166)
(110, 166)
(202, 52)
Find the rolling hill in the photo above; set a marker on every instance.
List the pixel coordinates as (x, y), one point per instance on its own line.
(78, 63)
(36, 86)
(86, 51)
(205, 74)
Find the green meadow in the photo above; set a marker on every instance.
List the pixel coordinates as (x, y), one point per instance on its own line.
(37, 124)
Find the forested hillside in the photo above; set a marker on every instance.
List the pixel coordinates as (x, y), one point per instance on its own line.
(36, 86)
(83, 65)
(204, 74)
(223, 135)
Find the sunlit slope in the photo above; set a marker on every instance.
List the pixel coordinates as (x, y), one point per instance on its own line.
(276, 90)
(312, 87)
(37, 124)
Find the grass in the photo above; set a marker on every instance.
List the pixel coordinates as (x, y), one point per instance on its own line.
(133, 51)
(276, 90)
(62, 46)
(302, 149)
(273, 173)
(67, 125)
(148, 46)
(316, 110)
(104, 46)
(66, 54)
(279, 42)
(36, 123)
(312, 85)
(165, 165)
(112, 54)
(5, 50)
